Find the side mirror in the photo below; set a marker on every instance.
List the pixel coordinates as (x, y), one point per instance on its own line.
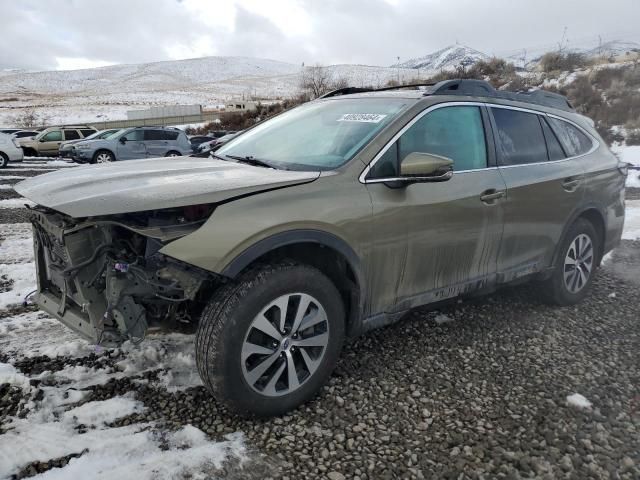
(41, 140)
(123, 140)
(425, 167)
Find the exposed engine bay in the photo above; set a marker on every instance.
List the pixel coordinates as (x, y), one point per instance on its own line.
(105, 278)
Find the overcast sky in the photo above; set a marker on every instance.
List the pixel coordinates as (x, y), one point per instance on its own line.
(67, 34)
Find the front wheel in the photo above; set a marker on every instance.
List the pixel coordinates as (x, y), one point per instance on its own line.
(103, 156)
(268, 342)
(575, 265)
(4, 160)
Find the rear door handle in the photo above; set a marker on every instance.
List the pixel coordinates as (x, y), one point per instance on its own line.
(571, 184)
(490, 196)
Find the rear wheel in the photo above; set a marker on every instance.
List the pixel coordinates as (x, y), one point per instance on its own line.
(173, 153)
(268, 342)
(103, 156)
(4, 160)
(575, 265)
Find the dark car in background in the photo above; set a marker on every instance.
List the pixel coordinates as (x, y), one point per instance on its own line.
(197, 140)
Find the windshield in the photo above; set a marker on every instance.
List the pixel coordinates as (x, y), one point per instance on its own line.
(316, 135)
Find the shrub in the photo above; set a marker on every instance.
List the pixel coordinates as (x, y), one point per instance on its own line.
(633, 137)
(558, 62)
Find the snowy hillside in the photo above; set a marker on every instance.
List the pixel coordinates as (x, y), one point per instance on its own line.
(106, 93)
(446, 58)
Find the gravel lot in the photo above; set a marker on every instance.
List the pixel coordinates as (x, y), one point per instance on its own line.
(476, 389)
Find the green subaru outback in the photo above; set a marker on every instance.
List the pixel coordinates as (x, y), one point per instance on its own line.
(327, 221)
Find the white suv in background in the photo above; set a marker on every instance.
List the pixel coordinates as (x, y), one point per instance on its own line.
(10, 150)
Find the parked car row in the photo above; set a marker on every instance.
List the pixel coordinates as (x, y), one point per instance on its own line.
(85, 144)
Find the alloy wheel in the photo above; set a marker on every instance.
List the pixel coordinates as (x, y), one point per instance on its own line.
(285, 344)
(103, 158)
(578, 263)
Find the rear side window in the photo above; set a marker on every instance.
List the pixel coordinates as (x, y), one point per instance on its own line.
(573, 140)
(86, 133)
(154, 135)
(71, 135)
(169, 135)
(553, 145)
(520, 139)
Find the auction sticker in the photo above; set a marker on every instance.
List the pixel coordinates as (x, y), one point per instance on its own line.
(362, 117)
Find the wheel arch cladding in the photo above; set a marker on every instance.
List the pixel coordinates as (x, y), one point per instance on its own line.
(325, 251)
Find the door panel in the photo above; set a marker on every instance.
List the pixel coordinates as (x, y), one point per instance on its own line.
(133, 148)
(439, 239)
(537, 207)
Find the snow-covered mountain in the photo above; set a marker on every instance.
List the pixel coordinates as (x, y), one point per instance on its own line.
(614, 48)
(449, 57)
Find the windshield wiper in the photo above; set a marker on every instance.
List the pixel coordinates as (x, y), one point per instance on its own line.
(251, 160)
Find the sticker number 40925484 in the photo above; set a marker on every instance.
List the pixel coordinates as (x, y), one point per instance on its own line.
(361, 117)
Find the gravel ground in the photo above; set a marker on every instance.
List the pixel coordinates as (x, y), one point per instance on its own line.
(476, 389)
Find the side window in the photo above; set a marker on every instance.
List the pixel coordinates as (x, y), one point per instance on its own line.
(574, 141)
(134, 135)
(86, 133)
(153, 135)
(553, 145)
(520, 139)
(169, 135)
(453, 132)
(54, 136)
(71, 135)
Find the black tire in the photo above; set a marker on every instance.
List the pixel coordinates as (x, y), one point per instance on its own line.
(226, 321)
(4, 160)
(173, 153)
(556, 291)
(103, 154)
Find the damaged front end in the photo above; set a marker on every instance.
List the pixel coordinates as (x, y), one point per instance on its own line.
(104, 277)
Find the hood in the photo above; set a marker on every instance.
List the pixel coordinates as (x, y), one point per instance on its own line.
(151, 184)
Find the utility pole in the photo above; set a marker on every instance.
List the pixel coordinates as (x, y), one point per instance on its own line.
(599, 45)
(398, 65)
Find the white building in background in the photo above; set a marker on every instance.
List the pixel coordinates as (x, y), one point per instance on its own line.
(165, 111)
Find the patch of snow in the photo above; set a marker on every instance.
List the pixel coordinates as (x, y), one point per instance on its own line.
(9, 375)
(628, 154)
(15, 203)
(578, 401)
(632, 220)
(6, 187)
(60, 163)
(612, 295)
(102, 412)
(11, 177)
(23, 276)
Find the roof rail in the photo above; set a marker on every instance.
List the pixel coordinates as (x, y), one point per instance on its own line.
(345, 91)
(469, 87)
(480, 88)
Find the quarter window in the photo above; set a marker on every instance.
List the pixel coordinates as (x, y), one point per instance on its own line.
(553, 145)
(54, 136)
(520, 139)
(86, 133)
(71, 135)
(170, 135)
(574, 141)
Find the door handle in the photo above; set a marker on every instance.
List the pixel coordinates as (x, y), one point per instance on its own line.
(490, 196)
(570, 184)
